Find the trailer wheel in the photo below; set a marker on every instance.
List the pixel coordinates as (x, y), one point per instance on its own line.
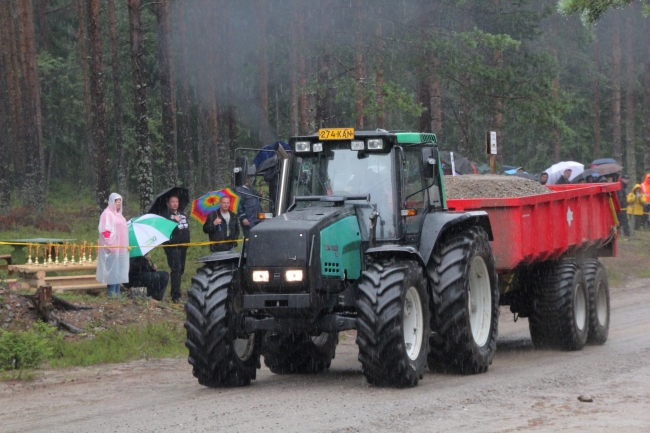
(560, 317)
(393, 323)
(465, 303)
(218, 357)
(598, 292)
(299, 353)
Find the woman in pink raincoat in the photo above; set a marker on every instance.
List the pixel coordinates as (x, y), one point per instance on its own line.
(113, 262)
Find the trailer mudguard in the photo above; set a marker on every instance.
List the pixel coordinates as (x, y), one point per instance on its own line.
(436, 223)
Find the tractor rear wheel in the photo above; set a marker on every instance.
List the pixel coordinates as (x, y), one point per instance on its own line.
(299, 353)
(465, 303)
(560, 313)
(218, 356)
(393, 323)
(598, 292)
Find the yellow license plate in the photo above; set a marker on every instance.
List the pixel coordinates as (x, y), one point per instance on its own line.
(336, 134)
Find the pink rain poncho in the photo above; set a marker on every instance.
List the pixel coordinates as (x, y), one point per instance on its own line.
(113, 262)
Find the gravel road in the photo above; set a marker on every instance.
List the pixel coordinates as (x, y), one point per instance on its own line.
(524, 390)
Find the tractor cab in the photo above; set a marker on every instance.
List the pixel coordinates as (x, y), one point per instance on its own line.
(391, 177)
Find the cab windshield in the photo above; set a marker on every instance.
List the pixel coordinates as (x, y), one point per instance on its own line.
(340, 171)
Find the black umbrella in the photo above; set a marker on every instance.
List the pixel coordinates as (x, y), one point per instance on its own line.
(159, 203)
(525, 176)
(584, 175)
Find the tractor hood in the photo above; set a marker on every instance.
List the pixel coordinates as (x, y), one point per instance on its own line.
(292, 239)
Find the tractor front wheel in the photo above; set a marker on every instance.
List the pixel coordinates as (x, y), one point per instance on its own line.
(393, 323)
(219, 357)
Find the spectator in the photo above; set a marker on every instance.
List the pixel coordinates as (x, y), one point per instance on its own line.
(565, 177)
(520, 170)
(176, 255)
(249, 206)
(543, 178)
(635, 203)
(143, 273)
(221, 225)
(113, 260)
(622, 199)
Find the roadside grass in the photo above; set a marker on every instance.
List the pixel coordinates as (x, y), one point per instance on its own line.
(632, 261)
(161, 340)
(21, 352)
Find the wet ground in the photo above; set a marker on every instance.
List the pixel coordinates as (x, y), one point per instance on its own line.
(524, 390)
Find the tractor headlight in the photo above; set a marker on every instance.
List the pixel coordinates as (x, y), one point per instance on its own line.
(293, 275)
(375, 144)
(261, 276)
(318, 147)
(356, 145)
(302, 146)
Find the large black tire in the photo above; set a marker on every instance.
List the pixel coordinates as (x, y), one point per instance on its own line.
(598, 290)
(465, 303)
(299, 353)
(219, 358)
(393, 323)
(560, 314)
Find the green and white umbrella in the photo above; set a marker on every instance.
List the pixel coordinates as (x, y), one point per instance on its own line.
(148, 231)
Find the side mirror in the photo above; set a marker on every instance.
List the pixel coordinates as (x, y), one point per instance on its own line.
(240, 171)
(429, 162)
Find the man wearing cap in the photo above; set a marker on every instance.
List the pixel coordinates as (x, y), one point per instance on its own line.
(565, 177)
(622, 199)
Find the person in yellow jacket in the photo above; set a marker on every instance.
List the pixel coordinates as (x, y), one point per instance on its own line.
(635, 202)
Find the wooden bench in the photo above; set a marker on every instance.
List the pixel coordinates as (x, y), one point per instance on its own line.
(34, 276)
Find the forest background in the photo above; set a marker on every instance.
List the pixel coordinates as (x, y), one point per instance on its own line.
(136, 96)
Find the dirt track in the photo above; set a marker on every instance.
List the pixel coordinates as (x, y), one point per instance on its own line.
(524, 390)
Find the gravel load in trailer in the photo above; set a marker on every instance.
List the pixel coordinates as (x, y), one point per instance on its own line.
(491, 186)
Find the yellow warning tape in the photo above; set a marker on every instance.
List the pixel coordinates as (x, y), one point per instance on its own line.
(88, 245)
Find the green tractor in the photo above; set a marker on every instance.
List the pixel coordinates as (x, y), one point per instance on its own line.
(360, 238)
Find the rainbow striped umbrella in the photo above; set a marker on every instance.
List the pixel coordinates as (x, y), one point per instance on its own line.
(202, 206)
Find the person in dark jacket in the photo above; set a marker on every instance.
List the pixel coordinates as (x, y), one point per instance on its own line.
(222, 225)
(176, 255)
(143, 273)
(565, 177)
(249, 206)
(622, 199)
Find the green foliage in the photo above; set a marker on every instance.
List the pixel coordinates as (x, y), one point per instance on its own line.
(593, 10)
(121, 345)
(27, 349)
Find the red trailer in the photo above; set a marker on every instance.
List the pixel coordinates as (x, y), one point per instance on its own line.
(546, 249)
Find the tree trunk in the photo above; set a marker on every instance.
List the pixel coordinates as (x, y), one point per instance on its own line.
(293, 70)
(616, 91)
(646, 101)
(213, 143)
(144, 165)
(359, 66)
(5, 180)
(10, 56)
(379, 76)
(232, 133)
(34, 194)
(630, 143)
(117, 104)
(83, 52)
(99, 106)
(302, 70)
(595, 56)
(167, 92)
(184, 104)
(322, 95)
(263, 77)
